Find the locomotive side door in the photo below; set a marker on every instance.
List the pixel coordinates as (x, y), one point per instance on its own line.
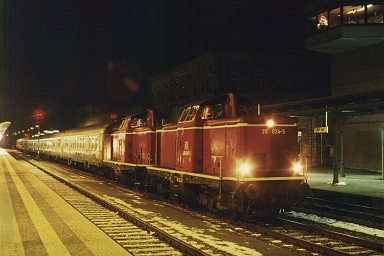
(189, 141)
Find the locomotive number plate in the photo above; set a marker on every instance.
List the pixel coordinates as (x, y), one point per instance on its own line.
(273, 131)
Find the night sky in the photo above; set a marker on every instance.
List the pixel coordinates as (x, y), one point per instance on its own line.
(65, 54)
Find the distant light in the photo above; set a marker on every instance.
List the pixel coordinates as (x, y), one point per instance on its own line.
(113, 116)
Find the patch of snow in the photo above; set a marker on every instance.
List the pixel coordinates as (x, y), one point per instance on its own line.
(192, 233)
(342, 183)
(338, 224)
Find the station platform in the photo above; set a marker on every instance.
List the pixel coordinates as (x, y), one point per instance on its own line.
(357, 186)
(34, 220)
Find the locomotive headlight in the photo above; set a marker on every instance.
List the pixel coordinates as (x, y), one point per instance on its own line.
(244, 168)
(270, 123)
(298, 168)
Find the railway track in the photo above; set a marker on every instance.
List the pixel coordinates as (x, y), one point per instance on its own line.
(118, 219)
(176, 236)
(132, 234)
(326, 241)
(365, 213)
(310, 239)
(135, 234)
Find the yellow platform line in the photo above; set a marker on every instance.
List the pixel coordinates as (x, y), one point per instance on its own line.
(92, 237)
(48, 236)
(10, 242)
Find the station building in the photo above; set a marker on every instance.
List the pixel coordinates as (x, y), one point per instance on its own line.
(266, 79)
(352, 34)
(341, 115)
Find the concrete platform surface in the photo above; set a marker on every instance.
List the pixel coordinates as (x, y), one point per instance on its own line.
(358, 182)
(34, 220)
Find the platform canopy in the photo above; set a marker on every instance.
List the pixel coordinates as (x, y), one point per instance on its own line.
(3, 127)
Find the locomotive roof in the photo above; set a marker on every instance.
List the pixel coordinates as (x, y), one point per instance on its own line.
(137, 115)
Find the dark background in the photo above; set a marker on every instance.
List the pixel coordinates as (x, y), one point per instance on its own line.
(62, 55)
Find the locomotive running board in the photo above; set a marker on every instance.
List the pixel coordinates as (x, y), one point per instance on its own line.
(207, 176)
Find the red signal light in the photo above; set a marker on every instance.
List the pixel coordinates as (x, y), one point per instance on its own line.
(39, 115)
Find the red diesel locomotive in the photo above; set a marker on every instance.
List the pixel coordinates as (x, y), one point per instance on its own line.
(221, 153)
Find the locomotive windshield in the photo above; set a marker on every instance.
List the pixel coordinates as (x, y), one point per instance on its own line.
(212, 112)
(188, 113)
(124, 125)
(246, 110)
(139, 122)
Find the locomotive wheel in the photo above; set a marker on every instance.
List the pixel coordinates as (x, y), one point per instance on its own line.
(288, 201)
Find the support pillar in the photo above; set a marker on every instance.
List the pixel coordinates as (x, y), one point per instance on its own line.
(342, 164)
(335, 160)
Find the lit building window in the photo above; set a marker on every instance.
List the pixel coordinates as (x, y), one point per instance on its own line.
(346, 15)
(353, 14)
(334, 17)
(322, 21)
(375, 13)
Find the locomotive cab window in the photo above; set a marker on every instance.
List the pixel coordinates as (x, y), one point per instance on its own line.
(212, 112)
(124, 125)
(244, 110)
(138, 122)
(188, 113)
